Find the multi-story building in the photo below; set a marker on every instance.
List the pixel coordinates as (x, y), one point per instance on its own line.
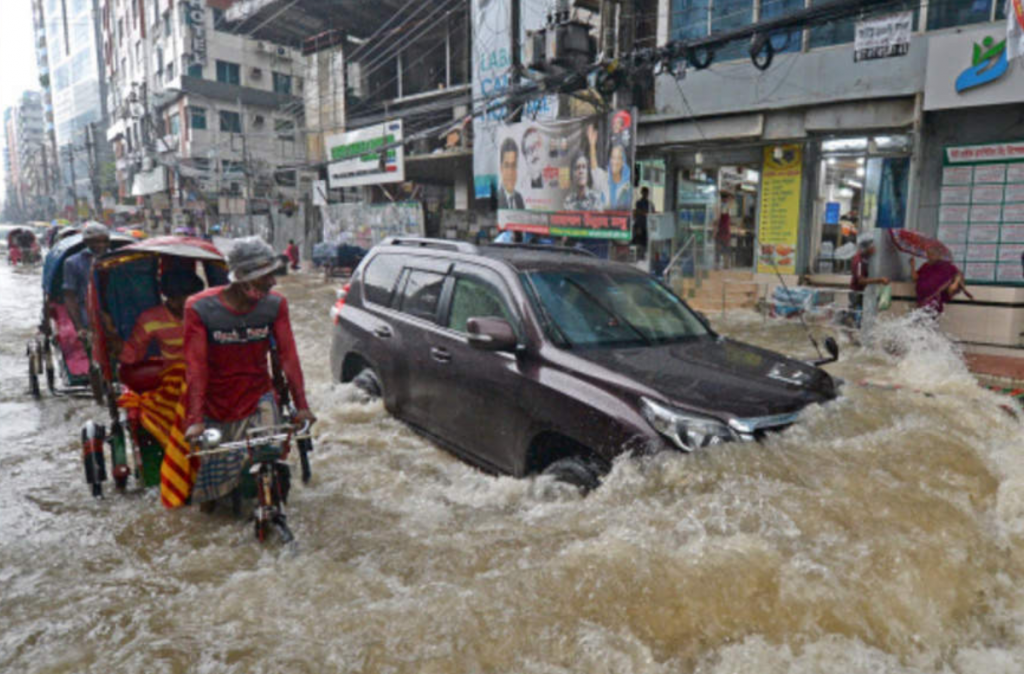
(830, 141)
(52, 177)
(79, 91)
(205, 118)
(28, 170)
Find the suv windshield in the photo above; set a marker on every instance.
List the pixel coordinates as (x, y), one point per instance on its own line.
(601, 308)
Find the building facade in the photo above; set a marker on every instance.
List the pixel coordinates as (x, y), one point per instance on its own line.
(207, 122)
(29, 171)
(876, 144)
(55, 195)
(75, 64)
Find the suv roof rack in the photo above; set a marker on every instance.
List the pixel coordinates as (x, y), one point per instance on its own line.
(425, 242)
(544, 247)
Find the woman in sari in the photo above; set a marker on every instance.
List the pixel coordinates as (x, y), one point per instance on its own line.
(937, 281)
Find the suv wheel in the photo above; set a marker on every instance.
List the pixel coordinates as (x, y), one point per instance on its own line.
(577, 471)
(368, 382)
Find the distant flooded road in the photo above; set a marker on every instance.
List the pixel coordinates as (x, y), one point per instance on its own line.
(885, 533)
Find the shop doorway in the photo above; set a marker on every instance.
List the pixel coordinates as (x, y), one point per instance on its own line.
(862, 185)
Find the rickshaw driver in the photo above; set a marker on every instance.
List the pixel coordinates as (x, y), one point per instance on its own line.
(76, 275)
(164, 322)
(228, 331)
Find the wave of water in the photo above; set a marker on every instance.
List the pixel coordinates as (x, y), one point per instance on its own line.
(882, 534)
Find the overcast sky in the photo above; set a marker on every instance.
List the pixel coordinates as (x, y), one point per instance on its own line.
(17, 57)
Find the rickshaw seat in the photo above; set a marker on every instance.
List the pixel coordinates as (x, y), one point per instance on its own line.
(75, 357)
(144, 375)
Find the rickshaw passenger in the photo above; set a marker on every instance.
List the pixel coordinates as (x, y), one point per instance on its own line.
(76, 275)
(228, 333)
(164, 322)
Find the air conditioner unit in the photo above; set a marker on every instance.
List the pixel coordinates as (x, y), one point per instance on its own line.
(257, 120)
(256, 73)
(284, 53)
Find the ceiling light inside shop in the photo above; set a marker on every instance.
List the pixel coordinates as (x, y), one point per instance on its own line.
(860, 172)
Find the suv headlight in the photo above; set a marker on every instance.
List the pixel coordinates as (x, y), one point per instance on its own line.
(688, 431)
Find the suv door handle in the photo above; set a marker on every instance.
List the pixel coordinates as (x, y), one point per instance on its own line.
(384, 332)
(441, 355)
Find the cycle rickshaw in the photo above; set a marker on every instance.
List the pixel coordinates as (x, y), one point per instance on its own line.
(58, 354)
(143, 398)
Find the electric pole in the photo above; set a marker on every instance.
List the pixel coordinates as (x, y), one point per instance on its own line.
(90, 149)
(70, 148)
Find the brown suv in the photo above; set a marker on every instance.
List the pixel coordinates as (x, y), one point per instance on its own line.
(532, 359)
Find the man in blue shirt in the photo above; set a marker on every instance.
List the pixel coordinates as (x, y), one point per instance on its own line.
(76, 275)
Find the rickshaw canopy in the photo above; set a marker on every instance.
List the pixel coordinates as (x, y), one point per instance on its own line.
(53, 265)
(126, 282)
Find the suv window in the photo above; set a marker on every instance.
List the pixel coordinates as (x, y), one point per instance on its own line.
(474, 298)
(379, 278)
(422, 293)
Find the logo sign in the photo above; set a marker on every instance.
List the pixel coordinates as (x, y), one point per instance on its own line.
(988, 64)
(195, 17)
(356, 158)
(883, 37)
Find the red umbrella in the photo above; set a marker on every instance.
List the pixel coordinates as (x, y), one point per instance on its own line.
(917, 244)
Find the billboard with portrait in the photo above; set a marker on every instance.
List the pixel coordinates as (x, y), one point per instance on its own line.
(568, 177)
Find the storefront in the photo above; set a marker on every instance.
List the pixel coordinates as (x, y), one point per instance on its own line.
(862, 183)
(972, 195)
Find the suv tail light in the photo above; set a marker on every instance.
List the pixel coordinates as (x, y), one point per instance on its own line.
(339, 303)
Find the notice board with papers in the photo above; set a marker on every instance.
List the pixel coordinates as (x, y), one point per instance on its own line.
(981, 211)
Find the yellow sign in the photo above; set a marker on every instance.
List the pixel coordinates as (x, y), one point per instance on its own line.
(779, 223)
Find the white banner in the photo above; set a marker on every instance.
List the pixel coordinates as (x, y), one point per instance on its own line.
(883, 37)
(356, 159)
(1014, 29)
(492, 58)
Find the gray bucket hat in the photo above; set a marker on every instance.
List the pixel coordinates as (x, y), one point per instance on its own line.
(251, 258)
(95, 230)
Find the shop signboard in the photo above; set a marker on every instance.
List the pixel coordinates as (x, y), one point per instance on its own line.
(981, 211)
(779, 222)
(883, 37)
(568, 177)
(972, 68)
(195, 18)
(356, 160)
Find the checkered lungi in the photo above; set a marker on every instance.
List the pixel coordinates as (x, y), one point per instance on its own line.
(220, 474)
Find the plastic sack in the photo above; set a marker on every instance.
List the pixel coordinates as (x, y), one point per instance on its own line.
(885, 298)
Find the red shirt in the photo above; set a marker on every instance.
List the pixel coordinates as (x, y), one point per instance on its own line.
(226, 365)
(156, 323)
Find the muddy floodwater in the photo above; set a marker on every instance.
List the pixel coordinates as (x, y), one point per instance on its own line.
(883, 534)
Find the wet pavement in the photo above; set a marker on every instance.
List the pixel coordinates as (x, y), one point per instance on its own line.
(882, 534)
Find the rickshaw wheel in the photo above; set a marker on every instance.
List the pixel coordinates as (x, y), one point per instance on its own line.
(261, 530)
(96, 383)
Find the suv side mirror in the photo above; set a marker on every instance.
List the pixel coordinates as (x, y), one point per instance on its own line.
(833, 352)
(491, 334)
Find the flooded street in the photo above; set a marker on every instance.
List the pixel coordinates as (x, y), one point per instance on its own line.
(883, 534)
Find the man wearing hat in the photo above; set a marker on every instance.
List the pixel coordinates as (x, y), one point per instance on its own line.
(229, 332)
(859, 279)
(76, 274)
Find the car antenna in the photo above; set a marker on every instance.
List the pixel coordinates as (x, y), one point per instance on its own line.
(800, 314)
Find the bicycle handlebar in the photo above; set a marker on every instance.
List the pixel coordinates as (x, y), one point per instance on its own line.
(210, 442)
